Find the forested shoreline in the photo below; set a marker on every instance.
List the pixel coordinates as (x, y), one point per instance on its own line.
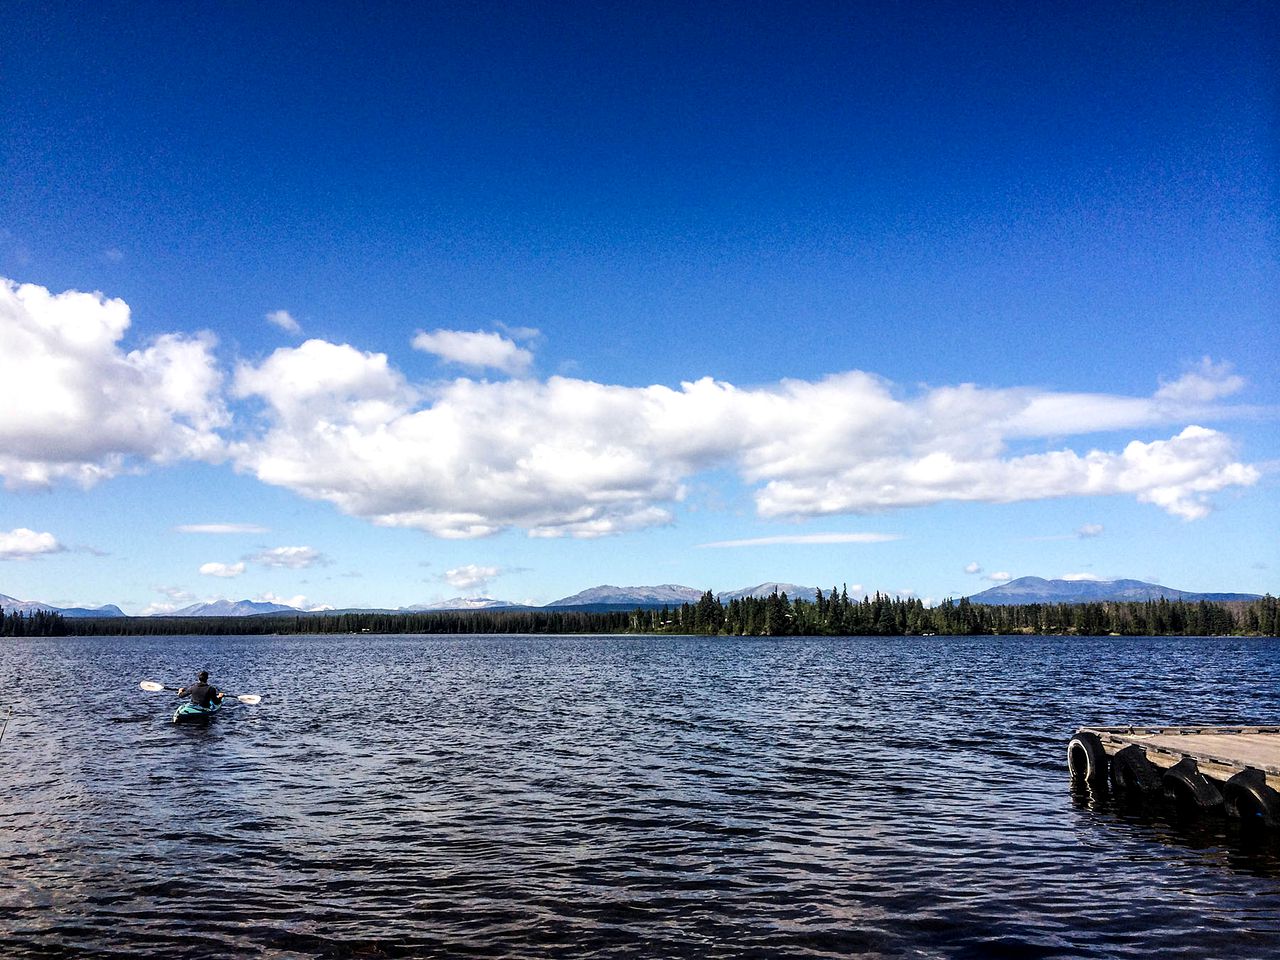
(830, 614)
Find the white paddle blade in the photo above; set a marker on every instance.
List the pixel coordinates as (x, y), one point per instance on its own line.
(252, 699)
(151, 686)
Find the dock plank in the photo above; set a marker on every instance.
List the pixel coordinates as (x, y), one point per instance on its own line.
(1220, 752)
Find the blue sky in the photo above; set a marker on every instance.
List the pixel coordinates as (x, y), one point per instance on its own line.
(517, 299)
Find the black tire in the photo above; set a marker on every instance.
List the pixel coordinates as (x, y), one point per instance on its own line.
(1132, 773)
(1186, 786)
(1087, 759)
(1248, 797)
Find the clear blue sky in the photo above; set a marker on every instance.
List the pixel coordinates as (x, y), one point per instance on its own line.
(561, 294)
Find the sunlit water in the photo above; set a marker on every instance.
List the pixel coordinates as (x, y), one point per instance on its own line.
(622, 797)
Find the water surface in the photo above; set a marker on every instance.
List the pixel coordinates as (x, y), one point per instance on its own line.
(615, 797)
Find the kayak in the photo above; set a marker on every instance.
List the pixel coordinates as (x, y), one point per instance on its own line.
(190, 713)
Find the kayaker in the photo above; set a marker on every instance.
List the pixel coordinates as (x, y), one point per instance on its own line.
(202, 693)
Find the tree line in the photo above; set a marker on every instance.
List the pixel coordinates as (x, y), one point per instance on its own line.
(38, 623)
(829, 614)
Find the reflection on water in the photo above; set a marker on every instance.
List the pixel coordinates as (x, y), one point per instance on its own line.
(645, 797)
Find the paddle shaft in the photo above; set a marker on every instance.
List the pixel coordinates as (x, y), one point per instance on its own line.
(251, 699)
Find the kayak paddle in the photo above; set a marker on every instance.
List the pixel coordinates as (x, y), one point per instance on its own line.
(251, 699)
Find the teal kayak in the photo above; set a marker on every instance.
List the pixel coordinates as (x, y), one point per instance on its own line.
(190, 713)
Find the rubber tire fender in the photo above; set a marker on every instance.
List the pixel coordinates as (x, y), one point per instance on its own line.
(1249, 797)
(1189, 788)
(1087, 758)
(1133, 773)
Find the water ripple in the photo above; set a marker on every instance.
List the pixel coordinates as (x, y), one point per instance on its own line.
(616, 797)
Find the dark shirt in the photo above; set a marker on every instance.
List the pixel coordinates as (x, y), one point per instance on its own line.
(201, 694)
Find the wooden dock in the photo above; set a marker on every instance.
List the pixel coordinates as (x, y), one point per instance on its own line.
(1236, 769)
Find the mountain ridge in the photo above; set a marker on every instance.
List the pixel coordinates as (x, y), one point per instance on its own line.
(12, 604)
(608, 593)
(609, 597)
(1040, 590)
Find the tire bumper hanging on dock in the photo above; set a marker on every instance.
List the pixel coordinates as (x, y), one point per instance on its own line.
(1200, 769)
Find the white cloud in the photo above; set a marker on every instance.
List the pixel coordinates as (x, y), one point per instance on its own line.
(572, 457)
(974, 567)
(1205, 382)
(75, 406)
(470, 577)
(1001, 577)
(1089, 530)
(24, 544)
(215, 569)
(1176, 474)
(1082, 576)
(220, 528)
(322, 382)
(299, 601)
(284, 320)
(176, 593)
(158, 608)
(113, 255)
(294, 558)
(520, 333)
(807, 538)
(476, 349)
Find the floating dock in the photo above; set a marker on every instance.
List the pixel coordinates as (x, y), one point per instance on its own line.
(1232, 769)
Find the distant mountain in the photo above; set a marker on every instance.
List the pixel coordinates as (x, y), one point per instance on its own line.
(13, 604)
(106, 610)
(464, 603)
(792, 590)
(1039, 590)
(663, 593)
(230, 608)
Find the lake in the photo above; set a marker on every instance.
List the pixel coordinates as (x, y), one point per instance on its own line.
(415, 796)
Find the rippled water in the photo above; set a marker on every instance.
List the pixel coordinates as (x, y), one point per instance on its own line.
(602, 796)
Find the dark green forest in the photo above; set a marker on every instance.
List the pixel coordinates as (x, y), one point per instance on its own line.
(830, 614)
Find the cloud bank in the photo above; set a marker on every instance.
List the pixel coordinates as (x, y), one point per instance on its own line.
(571, 457)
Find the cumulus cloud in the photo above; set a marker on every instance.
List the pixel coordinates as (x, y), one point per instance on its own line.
(1089, 530)
(573, 457)
(470, 577)
(1001, 577)
(294, 558)
(322, 382)
(476, 349)
(807, 538)
(974, 567)
(220, 528)
(1083, 576)
(1205, 382)
(215, 569)
(24, 544)
(298, 601)
(75, 406)
(284, 320)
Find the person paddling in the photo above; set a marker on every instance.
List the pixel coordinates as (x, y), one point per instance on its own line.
(202, 693)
